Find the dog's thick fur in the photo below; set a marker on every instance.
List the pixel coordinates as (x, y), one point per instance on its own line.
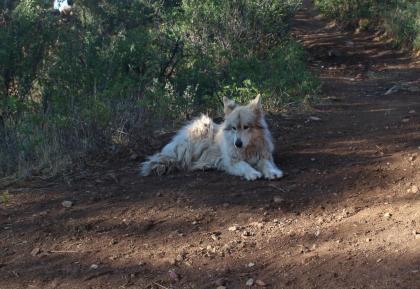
(240, 146)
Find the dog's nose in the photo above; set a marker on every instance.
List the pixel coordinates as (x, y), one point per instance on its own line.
(238, 143)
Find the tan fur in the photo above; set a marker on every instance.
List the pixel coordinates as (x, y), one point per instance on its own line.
(241, 145)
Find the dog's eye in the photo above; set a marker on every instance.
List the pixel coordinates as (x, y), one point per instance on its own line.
(246, 127)
(234, 128)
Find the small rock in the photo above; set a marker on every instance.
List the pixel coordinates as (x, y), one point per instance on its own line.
(368, 240)
(387, 215)
(67, 204)
(194, 222)
(334, 53)
(94, 267)
(35, 251)
(134, 157)
(379, 260)
(412, 111)
(233, 228)
(417, 235)
(260, 283)
(246, 234)
(179, 258)
(220, 282)
(314, 118)
(173, 275)
(215, 237)
(405, 120)
(250, 282)
(257, 224)
(278, 199)
(414, 189)
(251, 264)
(211, 249)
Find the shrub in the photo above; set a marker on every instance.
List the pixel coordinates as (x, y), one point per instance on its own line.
(72, 84)
(400, 18)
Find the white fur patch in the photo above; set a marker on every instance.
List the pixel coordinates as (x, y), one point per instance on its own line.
(202, 144)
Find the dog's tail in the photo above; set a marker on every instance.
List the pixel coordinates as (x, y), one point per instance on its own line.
(158, 164)
(188, 147)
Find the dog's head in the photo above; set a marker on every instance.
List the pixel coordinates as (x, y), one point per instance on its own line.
(243, 123)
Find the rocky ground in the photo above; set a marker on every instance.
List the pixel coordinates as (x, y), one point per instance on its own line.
(347, 214)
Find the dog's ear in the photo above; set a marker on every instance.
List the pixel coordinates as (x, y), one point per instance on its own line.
(228, 105)
(256, 103)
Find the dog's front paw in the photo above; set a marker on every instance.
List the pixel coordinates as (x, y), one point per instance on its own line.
(252, 175)
(273, 173)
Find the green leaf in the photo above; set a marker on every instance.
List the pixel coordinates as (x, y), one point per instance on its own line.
(5, 197)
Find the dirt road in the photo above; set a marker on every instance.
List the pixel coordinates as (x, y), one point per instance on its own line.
(347, 214)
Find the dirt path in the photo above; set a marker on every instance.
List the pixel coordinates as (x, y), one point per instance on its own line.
(345, 216)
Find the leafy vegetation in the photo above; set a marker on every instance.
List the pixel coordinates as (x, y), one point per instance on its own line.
(72, 83)
(399, 18)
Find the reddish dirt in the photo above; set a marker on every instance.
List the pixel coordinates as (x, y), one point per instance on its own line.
(345, 215)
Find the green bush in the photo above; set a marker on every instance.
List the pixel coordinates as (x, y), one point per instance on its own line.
(70, 84)
(400, 18)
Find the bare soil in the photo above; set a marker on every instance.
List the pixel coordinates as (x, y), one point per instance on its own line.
(347, 214)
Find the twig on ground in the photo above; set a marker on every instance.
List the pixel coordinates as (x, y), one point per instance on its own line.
(161, 286)
(98, 275)
(277, 188)
(61, 251)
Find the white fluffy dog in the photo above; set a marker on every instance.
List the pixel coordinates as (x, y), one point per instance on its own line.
(240, 146)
